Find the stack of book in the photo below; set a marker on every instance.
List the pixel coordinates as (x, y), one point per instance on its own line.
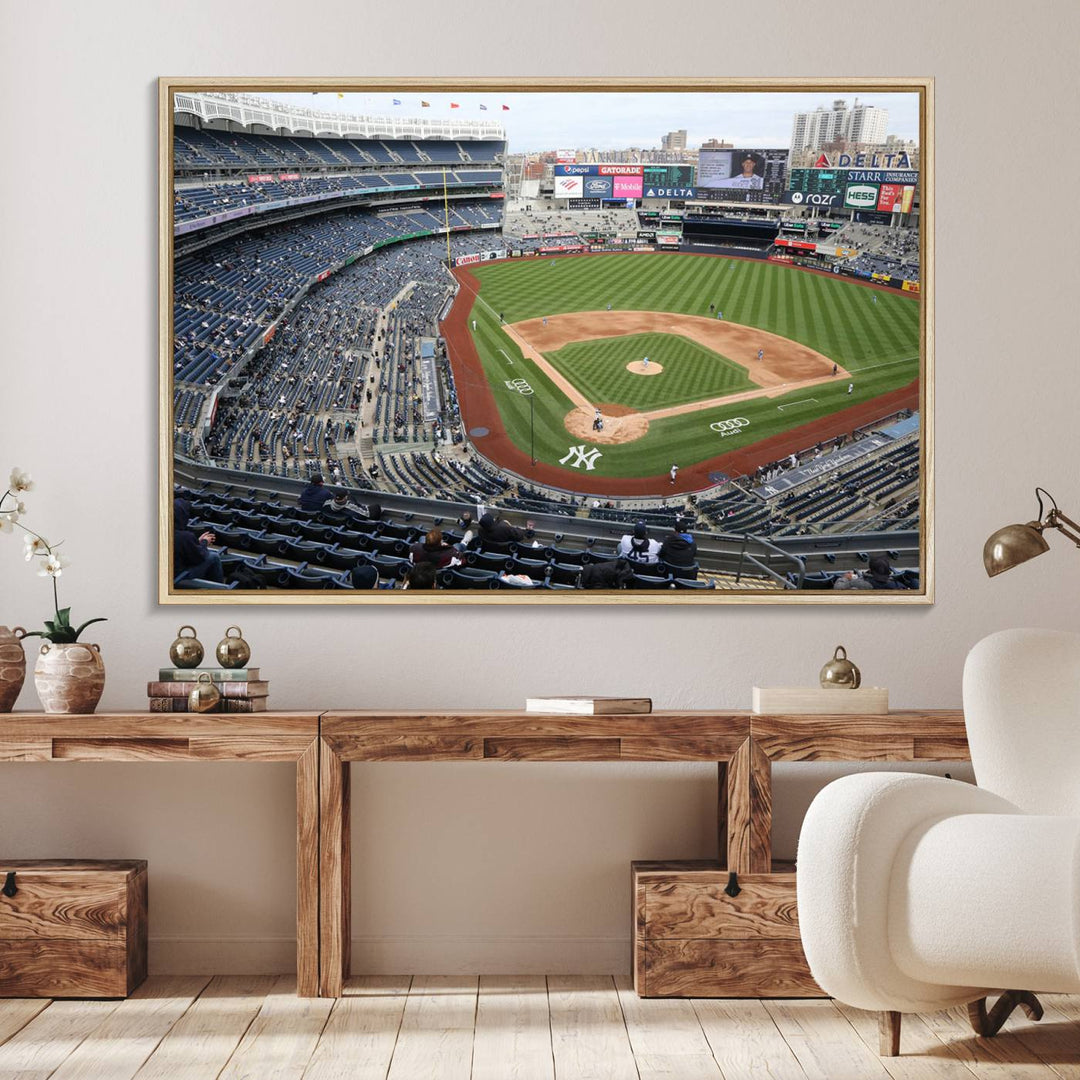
(241, 689)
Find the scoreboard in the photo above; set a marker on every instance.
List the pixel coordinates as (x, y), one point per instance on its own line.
(669, 176)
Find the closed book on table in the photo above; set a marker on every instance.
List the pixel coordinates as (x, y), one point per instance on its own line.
(232, 705)
(588, 706)
(237, 705)
(225, 689)
(218, 674)
(72, 928)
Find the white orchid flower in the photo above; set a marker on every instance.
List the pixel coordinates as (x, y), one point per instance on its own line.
(20, 481)
(7, 520)
(53, 566)
(34, 545)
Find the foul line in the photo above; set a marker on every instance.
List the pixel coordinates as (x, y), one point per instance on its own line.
(887, 363)
(801, 401)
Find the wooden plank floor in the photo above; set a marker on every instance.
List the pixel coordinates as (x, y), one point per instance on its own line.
(524, 1027)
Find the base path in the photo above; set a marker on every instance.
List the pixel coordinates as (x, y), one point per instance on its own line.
(479, 409)
(785, 361)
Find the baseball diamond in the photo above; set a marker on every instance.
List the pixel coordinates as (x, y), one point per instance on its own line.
(817, 334)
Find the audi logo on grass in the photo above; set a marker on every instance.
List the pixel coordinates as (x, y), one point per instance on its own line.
(729, 427)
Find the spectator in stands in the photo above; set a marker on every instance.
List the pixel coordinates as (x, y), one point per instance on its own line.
(494, 530)
(421, 576)
(374, 512)
(364, 577)
(468, 527)
(616, 574)
(852, 580)
(679, 548)
(638, 548)
(432, 549)
(192, 557)
(340, 510)
(315, 494)
(880, 574)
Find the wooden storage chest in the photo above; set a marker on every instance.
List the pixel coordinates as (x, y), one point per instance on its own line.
(692, 939)
(71, 928)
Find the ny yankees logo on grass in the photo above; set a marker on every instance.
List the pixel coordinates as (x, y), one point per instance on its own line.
(581, 457)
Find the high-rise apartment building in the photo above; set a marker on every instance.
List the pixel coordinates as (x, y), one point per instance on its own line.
(858, 123)
(674, 140)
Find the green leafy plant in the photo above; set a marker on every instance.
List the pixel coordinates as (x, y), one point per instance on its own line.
(58, 630)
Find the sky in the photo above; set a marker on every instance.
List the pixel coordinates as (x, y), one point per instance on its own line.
(610, 121)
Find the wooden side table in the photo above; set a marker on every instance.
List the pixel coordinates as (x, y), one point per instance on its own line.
(259, 737)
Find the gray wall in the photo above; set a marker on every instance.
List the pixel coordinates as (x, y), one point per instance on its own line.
(501, 867)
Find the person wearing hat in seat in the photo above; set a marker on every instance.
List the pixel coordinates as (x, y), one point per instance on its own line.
(638, 548)
(879, 574)
(679, 548)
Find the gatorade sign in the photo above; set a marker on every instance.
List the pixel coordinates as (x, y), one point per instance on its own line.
(861, 196)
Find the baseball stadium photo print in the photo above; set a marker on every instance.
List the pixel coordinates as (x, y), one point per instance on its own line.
(554, 341)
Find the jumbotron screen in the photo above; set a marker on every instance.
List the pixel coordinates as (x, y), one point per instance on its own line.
(743, 175)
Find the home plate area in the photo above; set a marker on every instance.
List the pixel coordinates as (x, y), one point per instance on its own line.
(621, 424)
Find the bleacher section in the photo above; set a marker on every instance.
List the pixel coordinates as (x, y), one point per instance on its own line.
(272, 544)
(227, 296)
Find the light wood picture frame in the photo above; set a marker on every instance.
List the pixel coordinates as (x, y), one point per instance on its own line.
(520, 300)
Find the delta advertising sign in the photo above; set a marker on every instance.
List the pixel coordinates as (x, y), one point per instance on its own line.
(898, 160)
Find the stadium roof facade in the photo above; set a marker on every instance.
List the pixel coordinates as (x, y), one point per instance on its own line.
(246, 110)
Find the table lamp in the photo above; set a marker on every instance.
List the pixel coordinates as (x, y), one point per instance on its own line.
(1014, 544)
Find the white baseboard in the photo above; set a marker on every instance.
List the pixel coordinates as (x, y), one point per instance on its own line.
(433, 954)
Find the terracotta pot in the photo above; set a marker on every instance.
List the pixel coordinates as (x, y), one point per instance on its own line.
(12, 666)
(69, 678)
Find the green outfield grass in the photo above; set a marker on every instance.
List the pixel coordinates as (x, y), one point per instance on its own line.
(691, 372)
(877, 341)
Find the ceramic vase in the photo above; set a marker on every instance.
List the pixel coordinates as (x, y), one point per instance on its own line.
(12, 666)
(69, 678)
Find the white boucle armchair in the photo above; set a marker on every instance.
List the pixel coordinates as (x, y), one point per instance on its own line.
(918, 893)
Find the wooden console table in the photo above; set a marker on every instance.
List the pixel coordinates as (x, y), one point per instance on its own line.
(742, 744)
(260, 737)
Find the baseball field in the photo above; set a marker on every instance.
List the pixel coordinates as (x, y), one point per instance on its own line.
(539, 345)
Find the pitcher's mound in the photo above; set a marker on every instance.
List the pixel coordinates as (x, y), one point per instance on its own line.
(621, 424)
(636, 367)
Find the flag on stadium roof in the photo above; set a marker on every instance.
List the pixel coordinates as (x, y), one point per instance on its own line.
(397, 101)
(454, 105)
(340, 94)
(425, 104)
(483, 108)
(506, 108)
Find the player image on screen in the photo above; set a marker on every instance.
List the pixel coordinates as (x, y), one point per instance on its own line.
(750, 176)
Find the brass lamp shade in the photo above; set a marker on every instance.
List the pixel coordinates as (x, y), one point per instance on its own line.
(1012, 545)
